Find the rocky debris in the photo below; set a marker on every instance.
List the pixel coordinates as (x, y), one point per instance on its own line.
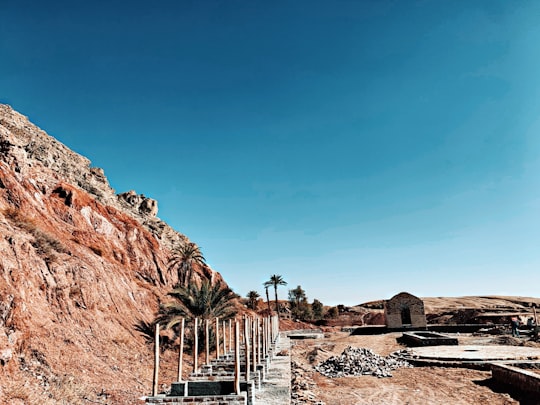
(356, 361)
(318, 353)
(302, 386)
(506, 340)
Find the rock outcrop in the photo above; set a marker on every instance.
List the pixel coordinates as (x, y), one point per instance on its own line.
(143, 205)
(80, 268)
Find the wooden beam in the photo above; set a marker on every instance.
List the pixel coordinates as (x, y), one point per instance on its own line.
(196, 346)
(181, 351)
(156, 361)
(236, 357)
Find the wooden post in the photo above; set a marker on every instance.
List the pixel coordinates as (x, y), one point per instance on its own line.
(535, 320)
(196, 346)
(217, 338)
(266, 340)
(181, 351)
(270, 329)
(263, 326)
(224, 339)
(207, 340)
(274, 323)
(276, 329)
(270, 324)
(236, 357)
(156, 361)
(253, 346)
(269, 333)
(258, 341)
(230, 335)
(246, 345)
(266, 348)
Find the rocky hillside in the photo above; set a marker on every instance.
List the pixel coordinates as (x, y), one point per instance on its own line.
(80, 267)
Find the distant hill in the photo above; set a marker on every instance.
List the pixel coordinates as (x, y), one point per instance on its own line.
(471, 309)
(442, 310)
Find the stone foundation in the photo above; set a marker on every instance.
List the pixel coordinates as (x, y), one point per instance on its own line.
(421, 338)
(519, 378)
(206, 400)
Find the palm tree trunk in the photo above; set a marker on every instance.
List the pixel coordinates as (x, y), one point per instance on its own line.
(268, 300)
(277, 308)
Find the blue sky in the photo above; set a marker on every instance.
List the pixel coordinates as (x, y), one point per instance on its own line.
(357, 148)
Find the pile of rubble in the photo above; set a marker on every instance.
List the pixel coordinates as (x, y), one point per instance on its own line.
(356, 361)
(302, 386)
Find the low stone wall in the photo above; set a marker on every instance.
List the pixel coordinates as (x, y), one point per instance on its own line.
(423, 338)
(380, 329)
(203, 388)
(516, 377)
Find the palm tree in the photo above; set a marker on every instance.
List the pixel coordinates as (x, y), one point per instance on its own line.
(183, 259)
(206, 302)
(275, 280)
(252, 297)
(300, 307)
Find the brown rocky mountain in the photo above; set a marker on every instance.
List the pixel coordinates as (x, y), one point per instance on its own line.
(80, 266)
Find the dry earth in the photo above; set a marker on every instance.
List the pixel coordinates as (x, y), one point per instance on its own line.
(414, 386)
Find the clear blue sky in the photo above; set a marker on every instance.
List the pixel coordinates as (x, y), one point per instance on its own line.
(357, 148)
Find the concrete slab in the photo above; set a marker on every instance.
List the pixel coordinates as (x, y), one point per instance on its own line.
(305, 334)
(426, 338)
(476, 353)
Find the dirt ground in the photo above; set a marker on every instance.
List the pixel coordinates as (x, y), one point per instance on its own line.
(413, 386)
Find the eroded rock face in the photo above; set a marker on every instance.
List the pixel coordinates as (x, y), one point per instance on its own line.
(145, 206)
(80, 267)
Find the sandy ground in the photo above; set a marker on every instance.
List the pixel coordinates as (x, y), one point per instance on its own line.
(419, 385)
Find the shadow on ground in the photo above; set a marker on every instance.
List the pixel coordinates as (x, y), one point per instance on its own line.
(524, 398)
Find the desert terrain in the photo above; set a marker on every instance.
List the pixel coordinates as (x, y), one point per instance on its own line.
(417, 385)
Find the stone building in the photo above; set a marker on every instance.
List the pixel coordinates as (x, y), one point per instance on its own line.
(405, 310)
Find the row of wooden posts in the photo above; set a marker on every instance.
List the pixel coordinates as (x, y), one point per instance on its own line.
(258, 334)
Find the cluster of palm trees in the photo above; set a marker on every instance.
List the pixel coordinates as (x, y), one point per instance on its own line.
(204, 300)
(193, 301)
(275, 281)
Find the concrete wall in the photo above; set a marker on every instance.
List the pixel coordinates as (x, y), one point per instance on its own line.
(516, 377)
(206, 387)
(208, 400)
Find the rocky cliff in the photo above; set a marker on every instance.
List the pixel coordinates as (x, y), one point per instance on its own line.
(80, 267)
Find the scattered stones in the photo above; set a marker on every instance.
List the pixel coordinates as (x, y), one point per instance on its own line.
(360, 361)
(302, 386)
